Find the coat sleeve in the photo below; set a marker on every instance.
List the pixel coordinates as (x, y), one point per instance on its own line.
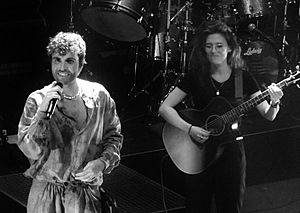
(112, 137)
(33, 128)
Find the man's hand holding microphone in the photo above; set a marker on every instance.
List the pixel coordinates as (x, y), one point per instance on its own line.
(50, 100)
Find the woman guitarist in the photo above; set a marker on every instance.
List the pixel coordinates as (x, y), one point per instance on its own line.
(214, 59)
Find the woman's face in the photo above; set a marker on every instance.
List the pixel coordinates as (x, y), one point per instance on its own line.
(216, 49)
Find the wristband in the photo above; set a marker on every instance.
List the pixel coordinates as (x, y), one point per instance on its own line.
(275, 105)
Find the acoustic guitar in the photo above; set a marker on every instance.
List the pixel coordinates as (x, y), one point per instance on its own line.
(192, 157)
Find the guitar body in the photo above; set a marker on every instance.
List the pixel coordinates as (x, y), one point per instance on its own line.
(188, 155)
(192, 157)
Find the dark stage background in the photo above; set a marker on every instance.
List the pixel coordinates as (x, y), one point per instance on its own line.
(132, 68)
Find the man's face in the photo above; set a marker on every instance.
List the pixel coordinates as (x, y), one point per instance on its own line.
(65, 68)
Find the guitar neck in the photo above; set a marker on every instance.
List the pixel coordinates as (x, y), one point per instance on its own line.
(240, 110)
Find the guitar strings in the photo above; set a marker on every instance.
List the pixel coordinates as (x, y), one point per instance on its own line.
(253, 100)
(260, 98)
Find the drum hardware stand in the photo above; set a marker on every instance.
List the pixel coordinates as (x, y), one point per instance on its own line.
(143, 91)
(297, 56)
(116, 7)
(149, 83)
(136, 53)
(152, 43)
(188, 4)
(183, 54)
(284, 41)
(298, 38)
(71, 25)
(186, 28)
(167, 49)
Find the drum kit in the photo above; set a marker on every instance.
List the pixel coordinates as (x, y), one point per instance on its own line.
(167, 27)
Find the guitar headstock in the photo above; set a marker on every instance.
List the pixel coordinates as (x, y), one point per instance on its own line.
(293, 77)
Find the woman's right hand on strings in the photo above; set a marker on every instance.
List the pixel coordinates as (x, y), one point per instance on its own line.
(199, 134)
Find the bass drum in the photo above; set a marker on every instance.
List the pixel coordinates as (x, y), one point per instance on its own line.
(262, 61)
(118, 20)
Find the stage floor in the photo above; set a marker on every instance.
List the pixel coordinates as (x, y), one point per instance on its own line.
(137, 194)
(134, 192)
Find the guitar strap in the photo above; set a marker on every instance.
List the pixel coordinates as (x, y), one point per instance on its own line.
(238, 83)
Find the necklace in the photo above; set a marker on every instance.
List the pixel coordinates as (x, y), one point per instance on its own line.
(71, 97)
(217, 89)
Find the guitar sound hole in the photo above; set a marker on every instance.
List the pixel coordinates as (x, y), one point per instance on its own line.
(215, 125)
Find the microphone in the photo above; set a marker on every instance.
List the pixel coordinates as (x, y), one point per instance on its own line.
(52, 104)
(252, 27)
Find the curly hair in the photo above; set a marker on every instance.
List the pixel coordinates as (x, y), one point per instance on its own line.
(198, 59)
(64, 42)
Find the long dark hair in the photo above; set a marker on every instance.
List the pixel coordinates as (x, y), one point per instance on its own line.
(198, 61)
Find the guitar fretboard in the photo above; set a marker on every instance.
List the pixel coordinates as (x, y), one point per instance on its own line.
(240, 110)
